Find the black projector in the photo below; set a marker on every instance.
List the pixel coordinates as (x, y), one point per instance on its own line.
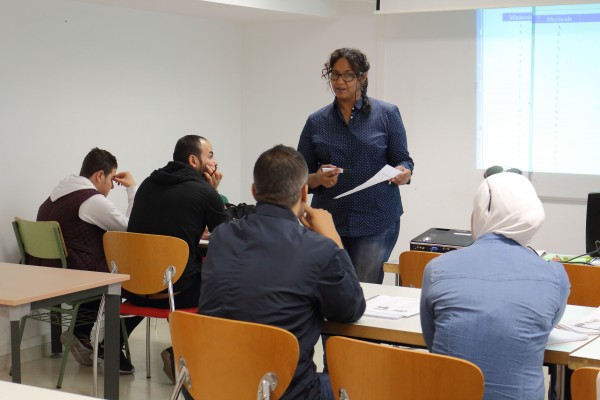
(441, 240)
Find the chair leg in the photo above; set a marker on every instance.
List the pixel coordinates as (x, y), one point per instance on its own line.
(148, 347)
(66, 351)
(181, 378)
(125, 339)
(22, 329)
(99, 322)
(55, 332)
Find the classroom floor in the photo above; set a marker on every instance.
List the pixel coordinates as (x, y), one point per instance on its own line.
(43, 371)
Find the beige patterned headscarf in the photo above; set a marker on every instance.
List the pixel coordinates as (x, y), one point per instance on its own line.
(507, 204)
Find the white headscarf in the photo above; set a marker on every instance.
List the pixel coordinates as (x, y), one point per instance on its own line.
(506, 203)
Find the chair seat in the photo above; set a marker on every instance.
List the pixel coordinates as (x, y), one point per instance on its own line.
(131, 309)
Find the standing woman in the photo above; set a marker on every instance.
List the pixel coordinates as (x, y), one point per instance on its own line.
(344, 144)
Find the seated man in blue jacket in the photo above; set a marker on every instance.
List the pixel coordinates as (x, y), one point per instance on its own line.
(268, 268)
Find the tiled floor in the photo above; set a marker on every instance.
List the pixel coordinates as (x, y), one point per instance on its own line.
(44, 371)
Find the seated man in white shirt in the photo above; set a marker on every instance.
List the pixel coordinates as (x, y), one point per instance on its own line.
(80, 206)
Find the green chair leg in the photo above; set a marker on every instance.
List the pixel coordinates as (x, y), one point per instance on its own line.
(22, 329)
(66, 351)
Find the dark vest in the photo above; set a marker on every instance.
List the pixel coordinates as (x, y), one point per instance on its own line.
(85, 250)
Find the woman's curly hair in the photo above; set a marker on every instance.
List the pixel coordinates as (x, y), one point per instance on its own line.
(359, 64)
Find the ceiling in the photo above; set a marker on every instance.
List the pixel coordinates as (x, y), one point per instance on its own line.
(240, 10)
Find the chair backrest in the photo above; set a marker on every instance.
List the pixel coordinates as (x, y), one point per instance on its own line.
(367, 371)
(226, 359)
(585, 285)
(583, 383)
(412, 265)
(41, 239)
(145, 258)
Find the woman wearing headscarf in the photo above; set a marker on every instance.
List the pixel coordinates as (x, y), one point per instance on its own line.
(495, 302)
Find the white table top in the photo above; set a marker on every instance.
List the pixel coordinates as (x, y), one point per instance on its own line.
(559, 353)
(11, 390)
(404, 330)
(24, 284)
(586, 356)
(408, 330)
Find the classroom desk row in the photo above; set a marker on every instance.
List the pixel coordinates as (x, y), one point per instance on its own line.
(407, 331)
(25, 288)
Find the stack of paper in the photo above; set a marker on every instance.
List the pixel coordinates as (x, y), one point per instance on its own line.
(590, 324)
(563, 336)
(391, 307)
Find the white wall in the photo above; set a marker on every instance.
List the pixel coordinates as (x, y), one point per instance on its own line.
(77, 75)
(424, 63)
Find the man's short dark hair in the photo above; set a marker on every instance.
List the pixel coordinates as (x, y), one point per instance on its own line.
(97, 160)
(188, 145)
(279, 175)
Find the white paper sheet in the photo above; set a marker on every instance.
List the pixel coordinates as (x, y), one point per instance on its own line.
(391, 307)
(590, 324)
(562, 336)
(386, 173)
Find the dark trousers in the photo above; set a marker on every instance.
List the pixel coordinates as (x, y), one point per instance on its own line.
(552, 395)
(187, 298)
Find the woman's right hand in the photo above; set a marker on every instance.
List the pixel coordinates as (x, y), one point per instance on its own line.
(327, 179)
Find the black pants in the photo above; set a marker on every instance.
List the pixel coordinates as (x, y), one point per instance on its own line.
(85, 329)
(552, 395)
(187, 298)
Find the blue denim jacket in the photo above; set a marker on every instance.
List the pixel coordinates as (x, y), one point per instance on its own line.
(494, 303)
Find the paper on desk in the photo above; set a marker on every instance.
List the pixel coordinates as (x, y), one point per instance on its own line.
(386, 173)
(589, 324)
(391, 307)
(558, 335)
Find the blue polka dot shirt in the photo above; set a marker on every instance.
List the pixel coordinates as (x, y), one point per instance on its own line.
(363, 146)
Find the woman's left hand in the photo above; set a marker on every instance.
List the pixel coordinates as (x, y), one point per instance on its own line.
(403, 177)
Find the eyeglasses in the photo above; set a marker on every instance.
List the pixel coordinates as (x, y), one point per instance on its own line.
(346, 77)
(496, 169)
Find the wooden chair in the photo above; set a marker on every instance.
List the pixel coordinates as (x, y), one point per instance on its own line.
(410, 268)
(44, 240)
(153, 262)
(362, 370)
(585, 284)
(583, 384)
(226, 359)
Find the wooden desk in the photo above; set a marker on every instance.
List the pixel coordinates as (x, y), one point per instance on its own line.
(560, 353)
(407, 331)
(24, 288)
(11, 390)
(586, 356)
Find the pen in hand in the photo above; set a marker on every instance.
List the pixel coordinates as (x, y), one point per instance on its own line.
(339, 170)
